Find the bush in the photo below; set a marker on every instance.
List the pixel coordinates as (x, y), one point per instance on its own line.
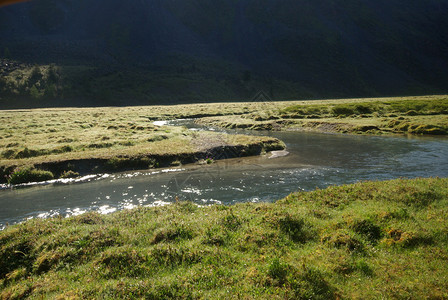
(29, 174)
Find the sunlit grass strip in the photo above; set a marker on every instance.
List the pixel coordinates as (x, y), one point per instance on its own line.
(368, 240)
(426, 115)
(33, 138)
(85, 141)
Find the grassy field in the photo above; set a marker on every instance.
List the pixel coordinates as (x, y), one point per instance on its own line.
(41, 144)
(426, 115)
(370, 240)
(71, 141)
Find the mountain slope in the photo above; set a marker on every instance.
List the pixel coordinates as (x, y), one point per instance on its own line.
(230, 49)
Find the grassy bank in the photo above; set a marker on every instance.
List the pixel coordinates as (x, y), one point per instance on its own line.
(364, 241)
(412, 115)
(68, 142)
(52, 143)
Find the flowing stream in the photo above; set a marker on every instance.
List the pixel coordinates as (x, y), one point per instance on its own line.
(314, 160)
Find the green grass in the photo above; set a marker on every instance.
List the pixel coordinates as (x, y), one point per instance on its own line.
(115, 139)
(368, 240)
(29, 174)
(434, 106)
(426, 115)
(111, 139)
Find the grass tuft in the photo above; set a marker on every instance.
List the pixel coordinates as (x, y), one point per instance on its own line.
(172, 234)
(28, 174)
(296, 228)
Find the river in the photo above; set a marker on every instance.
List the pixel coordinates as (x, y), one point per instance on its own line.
(314, 161)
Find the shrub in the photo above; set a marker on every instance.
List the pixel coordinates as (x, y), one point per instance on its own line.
(29, 174)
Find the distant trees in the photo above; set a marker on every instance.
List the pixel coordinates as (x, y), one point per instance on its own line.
(52, 75)
(34, 82)
(53, 82)
(43, 83)
(35, 93)
(2, 84)
(35, 76)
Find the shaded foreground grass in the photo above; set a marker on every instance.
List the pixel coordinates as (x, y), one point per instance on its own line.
(366, 240)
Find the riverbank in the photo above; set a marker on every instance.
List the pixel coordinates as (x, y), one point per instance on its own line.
(43, 144)
(425, 115)
(366, 240)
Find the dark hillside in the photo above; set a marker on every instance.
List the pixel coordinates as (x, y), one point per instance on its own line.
(153, 51)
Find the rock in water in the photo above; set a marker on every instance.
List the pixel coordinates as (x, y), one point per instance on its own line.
(276, 154)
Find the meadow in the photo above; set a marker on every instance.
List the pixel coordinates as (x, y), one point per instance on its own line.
(42, 144)
(424, 115)
(368, 240)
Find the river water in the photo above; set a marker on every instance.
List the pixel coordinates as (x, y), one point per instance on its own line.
(314, 161)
